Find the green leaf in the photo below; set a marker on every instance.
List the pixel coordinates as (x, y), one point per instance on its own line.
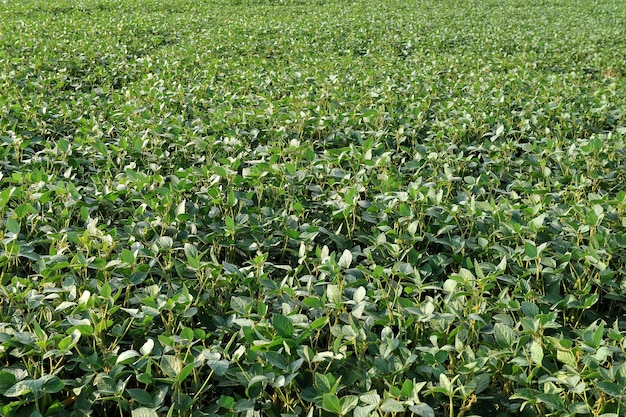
(364, 411)
(504, 335)
(50, 384)
(243, 405)
(220, 367)
(127, 357)
(566, 357)
(371, 398)
(283, 326)
(144, 412)
(479, 383)
(220, 171)
(345, 260)
(422, 410)
(530, 249)
(191, 251)
(445, 383)
(5, 195)
(322, 382)
(147, 347)
(598, 334)
(17, 390)
(318, 323)
(553, 401)
(611, 388)
(226, 401)
(331, 403)
(185, 372)
(392, 406)
(172, 365)
(229, 222)
(407, 388)
(348, 402)
(536, 353)
(333, 294)
(127, 256)
(13, 225)
(527, 394)
(313, 302)
(141, 396)
(7, 380)
(105, 290)
(578, 408)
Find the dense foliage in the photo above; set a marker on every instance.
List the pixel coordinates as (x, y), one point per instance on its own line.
(367, 208)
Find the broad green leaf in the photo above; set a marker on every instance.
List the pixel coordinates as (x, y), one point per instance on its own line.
(147, 347)
(333, 294)
(220, 171)
(504, 335)
(536, 353)
(322, 382)
(5, 195)
(479, 383)
(579, 408)
(226, 401)
(530, 249)
(370, 397)
(243, 405)
(127, 356)
(348, 402)
(598, 334)
(283, 326)
(7, 380)
(144, 412)
(445, 383)
(553, 401)
(171, 365)
(422, 410)
(392, 406)
(407, 388)
(345, 260)
(359, 294)
(50, 384)
(105, 291)
(220, 367)
(127, 256)
(331, 403)
(611, 388)
(17, 390)
(13, 225)
(185, 372)
(567, 357)
(141, 396)
(364, 411)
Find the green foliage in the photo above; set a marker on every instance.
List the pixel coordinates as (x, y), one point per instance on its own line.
(230, 208)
